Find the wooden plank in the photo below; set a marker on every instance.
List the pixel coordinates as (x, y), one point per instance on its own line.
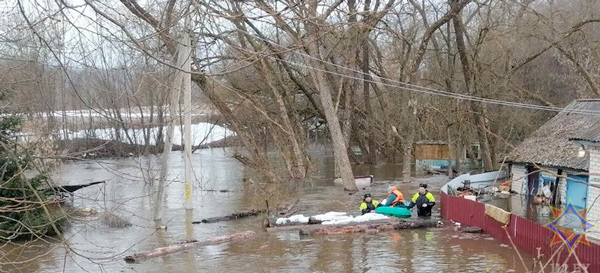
(433, 152)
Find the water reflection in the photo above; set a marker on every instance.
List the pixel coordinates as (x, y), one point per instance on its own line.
(189, 235)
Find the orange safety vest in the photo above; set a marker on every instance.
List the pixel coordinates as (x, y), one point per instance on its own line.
(399, 196)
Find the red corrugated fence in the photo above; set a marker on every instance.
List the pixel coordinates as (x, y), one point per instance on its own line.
(527, 235)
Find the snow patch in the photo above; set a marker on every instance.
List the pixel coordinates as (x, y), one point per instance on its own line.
(358, 219)
(292, 219)
(332, 215)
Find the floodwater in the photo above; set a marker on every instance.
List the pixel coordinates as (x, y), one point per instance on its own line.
(95, 244)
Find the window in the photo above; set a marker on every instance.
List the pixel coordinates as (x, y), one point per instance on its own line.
(474, 151)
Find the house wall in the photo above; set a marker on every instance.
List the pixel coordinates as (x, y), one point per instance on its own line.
(519, 177)
(562, 190)
(593, 213)
(433, 152)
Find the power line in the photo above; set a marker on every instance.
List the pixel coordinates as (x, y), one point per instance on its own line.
(416, 88)
(453, 95)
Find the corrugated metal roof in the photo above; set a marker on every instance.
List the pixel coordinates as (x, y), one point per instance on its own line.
(551, 144)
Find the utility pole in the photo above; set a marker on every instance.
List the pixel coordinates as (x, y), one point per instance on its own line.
(187, 106)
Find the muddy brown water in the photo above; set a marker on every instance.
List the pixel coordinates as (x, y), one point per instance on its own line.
(95, 246)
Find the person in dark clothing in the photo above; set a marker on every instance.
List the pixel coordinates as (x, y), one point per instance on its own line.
(368, 204)
(424, 201)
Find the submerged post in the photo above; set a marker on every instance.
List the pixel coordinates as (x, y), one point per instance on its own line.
(168, 145)
(187, 105)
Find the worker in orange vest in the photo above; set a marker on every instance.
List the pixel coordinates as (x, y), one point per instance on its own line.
(395, 197)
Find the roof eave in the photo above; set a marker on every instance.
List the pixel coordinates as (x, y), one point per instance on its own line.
(585, 142)
(548, 166)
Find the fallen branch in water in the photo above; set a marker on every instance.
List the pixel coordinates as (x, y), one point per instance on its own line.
(161, 251)
(230, 217)
(368, 227)
(287, 210)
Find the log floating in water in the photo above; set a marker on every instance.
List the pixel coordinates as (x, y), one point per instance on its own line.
(299, 226)
(286, 227)
(218, 191)
(239, 215)
(230, 217)
(313, 221)
(72, 188)
(161, 251)
(472, 230)
(367, 227)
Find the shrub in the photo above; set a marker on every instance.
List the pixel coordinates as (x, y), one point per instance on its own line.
(26, 210)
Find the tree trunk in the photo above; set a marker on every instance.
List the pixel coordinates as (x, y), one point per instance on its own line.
(407, 158)
(299, 226)
(494, 147)
(476, 107)
(162, 251)
(349, 105)
(374, 227)
(411, 133)
(296, 164)
(486, 156)
(164, 171)
(459, 145)
(230, 217)
(258, 160)
(337, 138)
(449, 145)
(282, 147)
(411, 120)
(187, 136)
(372, 151)
(291, 138)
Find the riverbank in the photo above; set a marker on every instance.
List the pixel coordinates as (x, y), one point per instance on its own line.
(94, 148)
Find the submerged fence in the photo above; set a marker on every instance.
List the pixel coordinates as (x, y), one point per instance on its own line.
(527, 235)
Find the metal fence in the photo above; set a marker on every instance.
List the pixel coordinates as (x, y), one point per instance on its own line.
(527, 235)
